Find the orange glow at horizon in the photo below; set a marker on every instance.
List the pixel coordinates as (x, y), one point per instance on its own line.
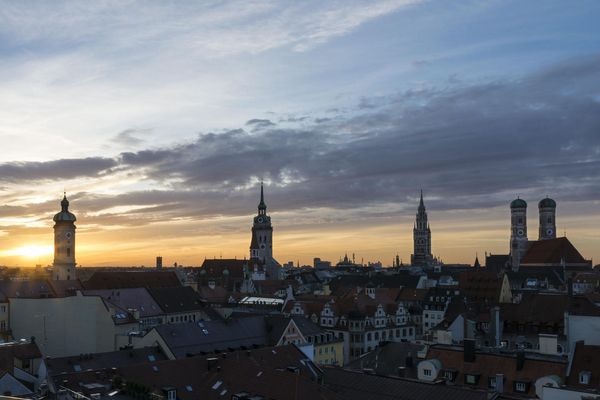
(457, 236)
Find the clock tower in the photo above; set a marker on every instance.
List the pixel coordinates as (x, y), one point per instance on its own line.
(518, 232)
(421, 238)
(261, 245)
(64, 243)
(547, 208)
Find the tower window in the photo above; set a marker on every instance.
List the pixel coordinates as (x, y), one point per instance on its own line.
(520, 220)
(68, 252)
(549, 220)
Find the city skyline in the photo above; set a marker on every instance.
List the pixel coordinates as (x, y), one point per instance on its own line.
(160, 121)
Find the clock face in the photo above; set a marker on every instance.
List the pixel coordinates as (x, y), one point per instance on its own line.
(520, 232)
(549, 232)
(68, 235)
(260, 219)
(262, 246)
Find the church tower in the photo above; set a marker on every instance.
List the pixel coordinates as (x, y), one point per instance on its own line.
(64, 243)
(547, 209)
(261, 245)
(421, 238)
(518, 232)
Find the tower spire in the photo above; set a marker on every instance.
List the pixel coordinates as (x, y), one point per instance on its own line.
(262, 206)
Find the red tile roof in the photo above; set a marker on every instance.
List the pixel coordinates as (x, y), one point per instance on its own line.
(489, 364)
(585, 359)
(552, 251)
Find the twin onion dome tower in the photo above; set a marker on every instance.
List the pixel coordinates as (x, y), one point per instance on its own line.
(519, 243)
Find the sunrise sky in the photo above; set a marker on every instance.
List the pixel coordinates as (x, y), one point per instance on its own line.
(160, 119)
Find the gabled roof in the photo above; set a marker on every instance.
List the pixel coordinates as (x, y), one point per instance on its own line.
(542, 309)
(585, 359)
(209, 336)
(23, 350)
(34, 289)
(131, 279)
(277, 325)
(177, 300)
(481, 285)
(388, 357)
(490, 364)
(552, 251)
(129, 298)
(99, 361)
(351, 385)
(273, 373)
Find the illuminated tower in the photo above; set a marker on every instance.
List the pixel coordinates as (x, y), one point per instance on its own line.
(518, 232)
(547, 209)
(421, 238)
(64, 243)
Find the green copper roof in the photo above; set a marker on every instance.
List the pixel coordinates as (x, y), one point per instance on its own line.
(518, 203)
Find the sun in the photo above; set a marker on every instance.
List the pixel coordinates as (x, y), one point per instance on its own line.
(31, 251)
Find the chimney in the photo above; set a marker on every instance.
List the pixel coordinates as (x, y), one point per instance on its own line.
(499, 383)
(469, 350)
(402, 372)
(408, 363)
(210, 362)
(520, 360)
(496, 328)
(548, 343)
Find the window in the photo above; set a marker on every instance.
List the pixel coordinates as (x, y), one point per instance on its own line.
(584, 377)
(520, 387)
(449, 375)
(68, 252)
(471, 379)
(492, 382)
(426, 372)
(172, 395)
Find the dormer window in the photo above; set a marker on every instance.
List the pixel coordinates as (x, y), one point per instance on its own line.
(584, 377)
(521, 387)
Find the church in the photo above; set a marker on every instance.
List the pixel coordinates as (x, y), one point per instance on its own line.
(261, 243)
(548, 250)
(63, 268)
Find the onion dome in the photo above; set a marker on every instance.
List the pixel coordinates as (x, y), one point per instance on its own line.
(64, 215)
(547, 203)
(518, 203)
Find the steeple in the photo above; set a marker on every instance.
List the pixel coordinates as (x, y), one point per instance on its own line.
(421, 237)
(262, 207)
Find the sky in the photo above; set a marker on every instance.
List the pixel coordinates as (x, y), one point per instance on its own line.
(160, 119)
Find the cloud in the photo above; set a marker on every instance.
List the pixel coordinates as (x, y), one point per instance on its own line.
(256, 124)
(470, 146)
(63, 169)
(128, 137)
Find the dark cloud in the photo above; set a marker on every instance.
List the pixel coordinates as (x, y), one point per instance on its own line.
(130, 137)
(468, 146)
(471, 145)
(256, 124)
(55, 170)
